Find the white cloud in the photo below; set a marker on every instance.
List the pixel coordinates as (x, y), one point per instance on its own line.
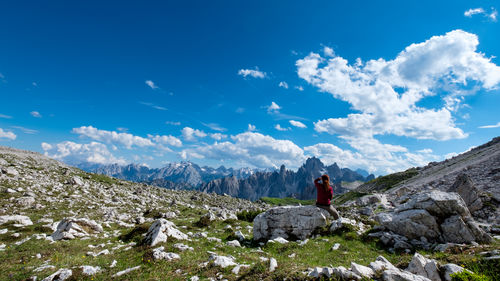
(74, 153)
(279, 128)
(153, 105)
(125, 139)
(255, 73)
(420, 70)
(299, 88)
(283, 84)
(297, 124)
(218, 136)
(252, 149)
(492, 15)
(191, 134)
(251, 127)
(25, 130)
(151, 84)
(36, 114)
(469, 13)
(328, 52)
(7, 135)
(167, 140)
(371, 155)
(273, 108)
(497, 125)
(214, 126)
(5, 116)
(240, 110)
(174, 123)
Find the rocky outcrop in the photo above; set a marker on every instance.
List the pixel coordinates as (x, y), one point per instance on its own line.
(71, 228)
(160, 230)
(289, 222)
(467, 190)
(18, 220)
(437, 217)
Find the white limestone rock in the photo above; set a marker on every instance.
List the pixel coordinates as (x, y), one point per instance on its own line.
(401, 275)
(71, 228)
(123, 272)
(60, 275)
(288, 222)
(90, 270)
(221, 261)
(17, 219)
(361, 270)
(160, 254)
(160, 230)
(423, 266)
(273, 264)
(449, 269)
(233, 243)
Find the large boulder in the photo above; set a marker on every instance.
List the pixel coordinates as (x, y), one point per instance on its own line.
(423, 266)
(467, 190)
(436, 216)
(160, 230)
(71, 228)
(289, 222)
(18, 220)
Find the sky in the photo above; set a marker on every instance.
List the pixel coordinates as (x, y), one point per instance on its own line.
(377, 85)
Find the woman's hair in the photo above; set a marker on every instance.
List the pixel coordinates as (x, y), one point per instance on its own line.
(326, 182)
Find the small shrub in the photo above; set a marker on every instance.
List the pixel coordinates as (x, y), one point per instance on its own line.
(248, 216)
(468, 276)
(351, 236)
(135, 234)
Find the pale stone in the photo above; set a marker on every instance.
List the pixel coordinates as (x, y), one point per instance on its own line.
(423, 266)
(296, 222)
(90, 270)
(160, 230)
(120, 273)
(361, 270)
(273, 264)
(221, 261)
(400, 275)
(60, 275)
(70, 228)
(233, 243)
(17, 219)
(449, 269)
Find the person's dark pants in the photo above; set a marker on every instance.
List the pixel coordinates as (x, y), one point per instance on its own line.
(333, 212)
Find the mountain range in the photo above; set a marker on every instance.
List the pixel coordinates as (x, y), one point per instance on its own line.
(244, 183)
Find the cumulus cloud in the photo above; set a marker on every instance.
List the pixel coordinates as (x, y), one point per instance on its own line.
(497, 125)
(283, 84)
(166, 140)
(297, 124)
(125, 139)
(370, 154)
(75, 153)
(255, 73)
(151, 84)
(386, 92)
(252, 149)
(299, 88)
(251, 127)
(273, 108)
(218, 136)
(7, 134)
(279, 128)
(36, 114)
(328, 52)
(191, 134)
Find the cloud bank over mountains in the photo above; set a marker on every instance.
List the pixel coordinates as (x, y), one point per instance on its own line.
(385, 97)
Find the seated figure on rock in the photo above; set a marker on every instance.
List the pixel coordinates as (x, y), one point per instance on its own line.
(325, 195)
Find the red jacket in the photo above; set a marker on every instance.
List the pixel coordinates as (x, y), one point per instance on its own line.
(323, 197)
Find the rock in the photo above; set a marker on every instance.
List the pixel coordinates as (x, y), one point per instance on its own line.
(221, 261)
(70, 228)
(239, 235)
(437, 203)
(113, 264)
(206, 219)
(449, 269)
(411, 223)
(344, 274)
(362, 270)
(343, 222)
(18, 220)
(382, 264)
(182, 247)
(369, 200)
(401, 275)
(11, 171)
(336, 246)
(320, 271)
(160, 254)
(60, 275)
(90, 270)
(160, 230)
(120, 273)
(233, 243)
(273, 264)
(289, 222)
(467, 190)
(423, 266)
(280, 240)
(25, 201)
(76, 181)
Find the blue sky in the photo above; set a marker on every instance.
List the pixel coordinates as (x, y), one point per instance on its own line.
(378, 85)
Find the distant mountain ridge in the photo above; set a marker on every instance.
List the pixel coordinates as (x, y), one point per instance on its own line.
(183, 175)
(285, 183)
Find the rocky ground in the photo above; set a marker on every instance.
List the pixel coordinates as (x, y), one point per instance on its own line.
(60, 223)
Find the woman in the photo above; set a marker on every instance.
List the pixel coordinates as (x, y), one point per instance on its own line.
(325, 194)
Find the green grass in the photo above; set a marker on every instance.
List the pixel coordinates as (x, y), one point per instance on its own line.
(286, 201)
(389, 181)
(351, 195)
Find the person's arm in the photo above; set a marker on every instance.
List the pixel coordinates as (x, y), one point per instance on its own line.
(316, 182)
(331, 193)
